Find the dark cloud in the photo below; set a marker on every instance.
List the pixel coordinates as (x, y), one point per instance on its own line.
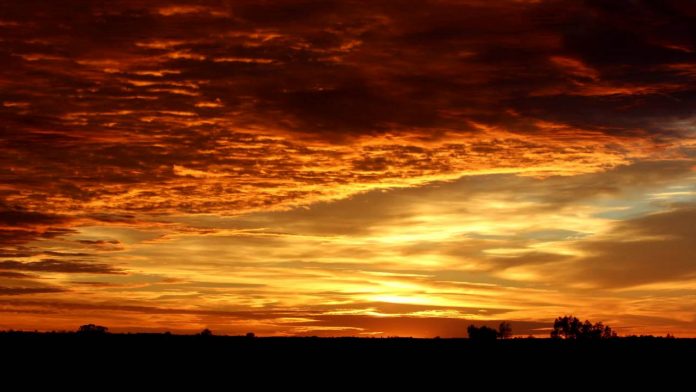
(14, 240)
(16, 252)
(650, 249)
(29, 290)
(99, 242)
(54, 265)
(633, 33)
(15, 275)
(20, 218)
(63, 254)
(122, 92)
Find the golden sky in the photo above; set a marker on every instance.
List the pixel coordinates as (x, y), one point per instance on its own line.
(338, 167)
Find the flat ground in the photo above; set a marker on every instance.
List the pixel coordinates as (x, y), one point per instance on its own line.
(54, 349)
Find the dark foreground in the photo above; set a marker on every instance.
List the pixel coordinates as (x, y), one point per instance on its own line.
(351, 358)
(166, 346)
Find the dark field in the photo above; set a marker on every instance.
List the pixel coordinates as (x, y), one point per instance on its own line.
(136, 350)
(125, 362)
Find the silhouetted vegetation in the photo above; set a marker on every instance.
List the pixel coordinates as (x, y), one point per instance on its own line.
(92, 329)
(351, 357)
(484, 348)
(487, 334)
(570, 327)
(482, 334)
(220, 354)
(504, 330)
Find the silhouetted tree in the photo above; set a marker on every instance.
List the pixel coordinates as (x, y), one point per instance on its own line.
(566, 327)
(250, 335)
(569, 327)
(481, 334)
(504, 330)
(92, 329)
(608, 333)
(205, 332)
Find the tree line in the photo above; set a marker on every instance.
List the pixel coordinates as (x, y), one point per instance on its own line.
(566, 327)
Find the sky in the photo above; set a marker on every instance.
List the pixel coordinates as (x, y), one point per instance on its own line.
(338, 167)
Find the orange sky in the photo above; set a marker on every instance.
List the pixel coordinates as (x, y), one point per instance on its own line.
(347, 168)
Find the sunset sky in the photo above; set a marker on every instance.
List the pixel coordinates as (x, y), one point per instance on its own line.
(338, 167)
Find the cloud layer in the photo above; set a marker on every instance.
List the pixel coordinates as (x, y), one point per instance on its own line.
(244, 106)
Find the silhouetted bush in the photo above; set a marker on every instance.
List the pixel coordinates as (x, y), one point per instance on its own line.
(504, 330)
(92, 329)
(206, 332)
(482, 334)
(569, 327)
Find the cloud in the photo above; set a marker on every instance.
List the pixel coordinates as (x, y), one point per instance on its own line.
(19, 218)
(15, 275)
(485, 247)
(352, 325)
(28, 290)
(55, 265)
(371, 212)
(284, 321)
(655, 248)
(317, 102)
(99, 242)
